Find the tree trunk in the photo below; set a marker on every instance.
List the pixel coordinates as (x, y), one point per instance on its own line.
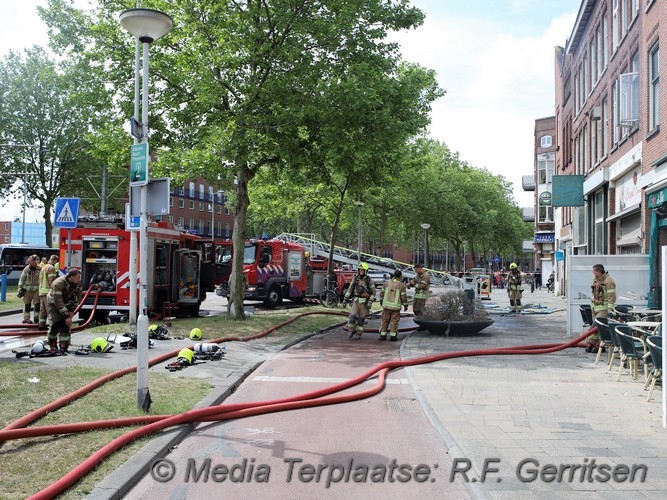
(236, 281)
(334, 227)
(48, 224)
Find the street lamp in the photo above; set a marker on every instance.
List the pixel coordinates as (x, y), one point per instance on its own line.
(359, 204)
(145, 25)
(425, 228)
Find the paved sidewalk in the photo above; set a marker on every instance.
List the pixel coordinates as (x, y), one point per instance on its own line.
(555, 408)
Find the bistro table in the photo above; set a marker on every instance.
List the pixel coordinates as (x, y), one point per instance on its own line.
(644, 328)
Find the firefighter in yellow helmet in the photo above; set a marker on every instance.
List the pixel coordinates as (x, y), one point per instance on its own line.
(361, 292)
(422, 284)
(603, 301)
(392, 297)
(514, 289)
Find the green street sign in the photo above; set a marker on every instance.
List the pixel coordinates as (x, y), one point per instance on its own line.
(139, 164)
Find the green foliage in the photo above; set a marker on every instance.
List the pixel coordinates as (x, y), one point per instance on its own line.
(453, 305)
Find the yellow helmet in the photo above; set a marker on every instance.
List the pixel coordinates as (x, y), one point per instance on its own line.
(152, 328)
(513, 265)
(306, 254)
(186, 355)
(363, 266)
(195, 334)
(100, 345)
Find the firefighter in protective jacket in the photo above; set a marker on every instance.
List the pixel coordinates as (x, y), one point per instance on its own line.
(603, 301)
(61, 301)
(361, 292)
(422, 284)
(28, 289)
(514, 289)
(47, 276)
(392, 297)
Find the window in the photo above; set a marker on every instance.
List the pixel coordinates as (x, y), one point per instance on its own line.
(545, 214)
(596, 140)
(614, 26)
(614, 109)
(226, 211)
(545, 141)
(171, 201)
(605, 127)
(210, 193)
(605, 39)
(210, 207)
(599, 45)
(191, 226)
(545, 168)
(191, 194)
(171, 219)
(201, 206)
(584, 77)
(629, 96)
(226, 230)
(181, 222)
(181, 203)
(219, 209)
(218, 228)
(586, 150)
(594, 64)
(653, 92)
(191, 204)
(201, 191)
(201, 226)
(181, 190)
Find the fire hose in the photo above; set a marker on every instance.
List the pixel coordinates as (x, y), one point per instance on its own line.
(40, 332)
(230, 411)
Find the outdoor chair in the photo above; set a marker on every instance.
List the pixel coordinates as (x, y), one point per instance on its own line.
(623, 312)
(586, 316)
(606, 341)
(632, 349)
(654, 344)
(615, 343)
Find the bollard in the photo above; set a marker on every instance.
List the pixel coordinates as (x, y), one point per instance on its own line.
(532, 286)
(3, 288)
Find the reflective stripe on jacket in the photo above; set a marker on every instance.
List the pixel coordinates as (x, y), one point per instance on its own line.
(393, 295)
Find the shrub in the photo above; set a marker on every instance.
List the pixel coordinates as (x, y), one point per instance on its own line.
(454, 305)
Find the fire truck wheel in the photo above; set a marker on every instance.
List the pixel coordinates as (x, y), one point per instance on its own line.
(275, 297)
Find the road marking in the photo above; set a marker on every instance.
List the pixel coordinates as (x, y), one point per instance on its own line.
(332, 380)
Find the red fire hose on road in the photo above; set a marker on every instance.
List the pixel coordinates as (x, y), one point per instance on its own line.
(226, 412)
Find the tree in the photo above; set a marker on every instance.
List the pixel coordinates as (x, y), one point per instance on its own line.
(55, 108)
(242, 81)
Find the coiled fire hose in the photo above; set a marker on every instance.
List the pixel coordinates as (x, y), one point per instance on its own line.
(232, 411)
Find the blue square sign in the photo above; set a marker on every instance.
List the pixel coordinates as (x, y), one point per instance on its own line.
(67, 213)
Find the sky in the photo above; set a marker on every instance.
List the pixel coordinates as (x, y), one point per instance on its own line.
(494, 59)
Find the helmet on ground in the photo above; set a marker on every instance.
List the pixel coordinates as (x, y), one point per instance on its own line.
(195, 334)
(186, 355)
(363, 266)
(513, 265)
(100, 345)
(38, 348)
(152, 329)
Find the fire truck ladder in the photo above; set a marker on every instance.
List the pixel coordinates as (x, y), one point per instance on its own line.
(344, 255)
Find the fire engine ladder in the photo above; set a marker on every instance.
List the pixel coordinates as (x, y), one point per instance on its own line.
(348, 256)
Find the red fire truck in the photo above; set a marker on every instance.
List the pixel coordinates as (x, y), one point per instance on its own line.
(178, 272)
(275, 269)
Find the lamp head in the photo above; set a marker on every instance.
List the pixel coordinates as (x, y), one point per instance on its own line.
(147, 25)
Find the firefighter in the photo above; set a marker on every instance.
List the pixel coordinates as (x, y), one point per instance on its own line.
(514, 290)
(61, 301)
(29, 289)
(46, 277)
(422, 284)
(392, 297)
(603, 301)
(361, 293)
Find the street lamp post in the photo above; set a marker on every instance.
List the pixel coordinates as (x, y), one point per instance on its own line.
(147, 26)
(359, 204)
(425, 228)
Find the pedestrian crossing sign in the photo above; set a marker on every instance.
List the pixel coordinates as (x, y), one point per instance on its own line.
(67, 213)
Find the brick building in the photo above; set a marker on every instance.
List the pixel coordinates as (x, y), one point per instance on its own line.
(197, 205)
(608, 111)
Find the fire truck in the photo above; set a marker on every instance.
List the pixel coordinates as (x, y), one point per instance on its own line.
(179, 274)
(274, 270)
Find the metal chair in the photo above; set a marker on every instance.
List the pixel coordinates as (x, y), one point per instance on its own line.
(624, 312)
(654, 344)
(615, 343)
(586, 315)
(606, 341)
(632, 349)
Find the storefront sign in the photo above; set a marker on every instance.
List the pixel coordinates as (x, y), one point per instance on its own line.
(568, 190)
(545, 198)
(545, 238)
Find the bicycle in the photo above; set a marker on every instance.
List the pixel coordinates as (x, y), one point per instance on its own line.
(329, 296)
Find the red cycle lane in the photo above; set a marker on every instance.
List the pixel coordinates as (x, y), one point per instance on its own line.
(377, 447)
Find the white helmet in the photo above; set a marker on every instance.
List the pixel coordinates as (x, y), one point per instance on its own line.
(38, 347)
